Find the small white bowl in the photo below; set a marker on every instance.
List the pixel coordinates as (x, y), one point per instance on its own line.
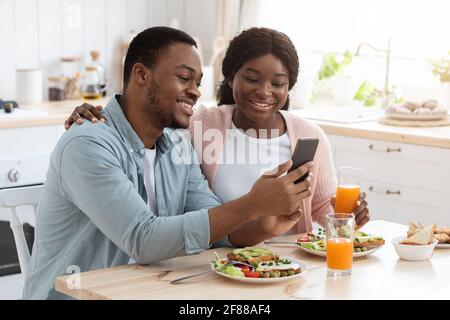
(413, 252)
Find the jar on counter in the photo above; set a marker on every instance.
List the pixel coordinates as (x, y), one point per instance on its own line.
(101, 70)
(70, 68)
(56, 88)
(90, 85)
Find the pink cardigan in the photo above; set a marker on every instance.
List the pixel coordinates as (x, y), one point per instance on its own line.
(219, 118)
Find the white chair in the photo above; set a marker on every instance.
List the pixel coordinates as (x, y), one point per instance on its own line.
(11, 199)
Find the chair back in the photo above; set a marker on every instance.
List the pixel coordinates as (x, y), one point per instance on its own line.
(11, 199)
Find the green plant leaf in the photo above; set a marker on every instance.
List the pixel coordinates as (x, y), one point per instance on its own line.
(333, 64)
(366, 93)
(360, 93)
(370, 101)
(441, 68)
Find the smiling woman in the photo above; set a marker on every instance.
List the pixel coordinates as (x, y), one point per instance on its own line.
(278, 55)
(260, 67)
(260, 93)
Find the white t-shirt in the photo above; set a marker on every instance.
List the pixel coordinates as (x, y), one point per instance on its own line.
(149, 178)
(245, 159)
(149, 182)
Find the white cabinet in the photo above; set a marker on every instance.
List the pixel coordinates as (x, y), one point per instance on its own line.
(28, 139)
(403, 182)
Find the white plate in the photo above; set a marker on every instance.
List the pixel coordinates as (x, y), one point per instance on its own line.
(324, 254)
(303, 268)
(443, 246)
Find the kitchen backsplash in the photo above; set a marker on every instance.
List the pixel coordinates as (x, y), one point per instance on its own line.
(37, 33)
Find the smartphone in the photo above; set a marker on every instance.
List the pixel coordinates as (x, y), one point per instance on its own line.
(303, 153)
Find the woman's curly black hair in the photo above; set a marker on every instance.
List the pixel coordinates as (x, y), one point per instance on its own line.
(251, 44)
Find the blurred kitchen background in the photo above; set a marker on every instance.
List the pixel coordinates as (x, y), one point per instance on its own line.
(358, 60)
(57, 38)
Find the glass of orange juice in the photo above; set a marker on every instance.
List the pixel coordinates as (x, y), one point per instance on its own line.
(340, 228)
(347, 193)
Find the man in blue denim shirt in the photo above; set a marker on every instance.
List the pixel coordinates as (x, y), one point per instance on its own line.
(93, 211)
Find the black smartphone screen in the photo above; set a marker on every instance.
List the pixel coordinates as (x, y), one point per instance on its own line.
(303, 153)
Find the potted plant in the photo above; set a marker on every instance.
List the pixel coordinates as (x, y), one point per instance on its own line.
(441, 69)
(331, 83)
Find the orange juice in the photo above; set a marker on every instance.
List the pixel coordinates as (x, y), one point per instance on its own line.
(346, 197)
(339, 254)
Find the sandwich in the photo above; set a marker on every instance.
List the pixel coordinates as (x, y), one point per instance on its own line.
(256, 262)
(414, 228)
(364, 240)
(441, 234)
(442, 237)
(421, 237)
(252, 255)
(442, 230)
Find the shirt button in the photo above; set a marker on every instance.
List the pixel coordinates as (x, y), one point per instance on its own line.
(142, 152)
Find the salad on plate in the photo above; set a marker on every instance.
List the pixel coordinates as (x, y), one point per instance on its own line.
(256, 263)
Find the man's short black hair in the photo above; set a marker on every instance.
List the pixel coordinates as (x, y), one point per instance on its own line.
(147, 46)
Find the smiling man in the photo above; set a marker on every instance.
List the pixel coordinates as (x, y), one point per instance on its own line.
(113, 190)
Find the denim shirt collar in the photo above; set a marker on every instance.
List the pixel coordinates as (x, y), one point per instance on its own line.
(164, 142)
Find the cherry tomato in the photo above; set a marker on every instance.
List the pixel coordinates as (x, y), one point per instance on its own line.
(303, 239)
(252, 274)
(244, 268)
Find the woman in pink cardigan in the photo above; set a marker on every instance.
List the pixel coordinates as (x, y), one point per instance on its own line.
(260, 67)
(251, 132)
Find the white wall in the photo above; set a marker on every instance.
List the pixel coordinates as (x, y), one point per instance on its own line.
(36, 33)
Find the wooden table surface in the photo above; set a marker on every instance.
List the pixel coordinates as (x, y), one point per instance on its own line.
(381, 275)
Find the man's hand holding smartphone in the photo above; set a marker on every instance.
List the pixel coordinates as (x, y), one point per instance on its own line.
(304, 152)
(301, 178)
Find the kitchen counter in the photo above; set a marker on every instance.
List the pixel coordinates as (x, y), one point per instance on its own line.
(381, 275)
(46, 113)
(426, 136)
(49, 113)
(57, 112)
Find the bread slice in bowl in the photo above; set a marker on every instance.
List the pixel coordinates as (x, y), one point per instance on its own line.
(423, 237)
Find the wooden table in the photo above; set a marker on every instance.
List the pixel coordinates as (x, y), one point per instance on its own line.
(381, 275)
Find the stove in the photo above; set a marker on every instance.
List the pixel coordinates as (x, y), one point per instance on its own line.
(19, 170)
(24, 169)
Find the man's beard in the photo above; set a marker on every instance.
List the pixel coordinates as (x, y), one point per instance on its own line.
(164, 116)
